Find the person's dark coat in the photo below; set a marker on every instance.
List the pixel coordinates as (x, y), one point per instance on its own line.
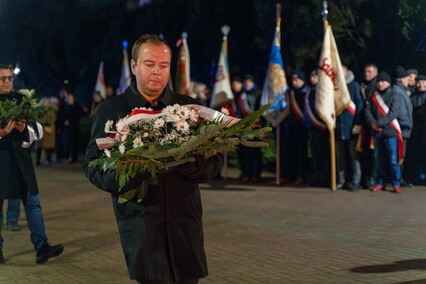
(16, 167)
(167, 226)
(291, 121)
(405, 117)
(372, 113)
(346, 120)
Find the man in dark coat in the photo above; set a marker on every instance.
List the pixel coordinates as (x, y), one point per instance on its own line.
(162, 237)
(17, 177)
(415, 160)
(381, 113)
(406, 112)
(368, 165)
(346, 124)
(295, 137)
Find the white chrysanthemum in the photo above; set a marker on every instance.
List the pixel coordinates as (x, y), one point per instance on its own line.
(225, 111)
(107, 153)
(108, 125)
(182, 126)
(183, 111)
(173, 118)
(26, 92)
(193, 115)
(159, 123)
(137, 143)
(122, 148)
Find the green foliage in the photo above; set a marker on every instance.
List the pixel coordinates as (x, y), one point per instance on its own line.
(26, 110)
(149, 160)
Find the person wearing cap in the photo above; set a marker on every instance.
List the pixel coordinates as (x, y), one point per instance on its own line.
(346, 137)
(415, 160)
(318, 169)
(368, 164)
(294, 146)
(412, 73)
(381, 113)
(405, 117)
(249, 101)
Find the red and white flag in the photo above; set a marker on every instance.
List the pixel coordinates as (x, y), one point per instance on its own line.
(183, 80)
(222, 92)
(332, 92)
(100, 83)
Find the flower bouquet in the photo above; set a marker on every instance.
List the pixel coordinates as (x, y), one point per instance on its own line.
(25, 110)
(148, 142)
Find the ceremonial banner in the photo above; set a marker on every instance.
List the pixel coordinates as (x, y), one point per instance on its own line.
(222, 92)
(100, 83)
(125, 78)
(275, 86)
(332, 91)
(183, 80)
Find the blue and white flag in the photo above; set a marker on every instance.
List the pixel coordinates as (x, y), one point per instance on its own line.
(275, 86)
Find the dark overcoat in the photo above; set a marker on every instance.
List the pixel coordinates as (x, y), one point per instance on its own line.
(16, 167)
(164, 233)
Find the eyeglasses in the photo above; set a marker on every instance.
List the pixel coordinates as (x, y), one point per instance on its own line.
(3, 78)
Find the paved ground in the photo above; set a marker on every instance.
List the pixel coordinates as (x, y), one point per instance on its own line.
(253, 234)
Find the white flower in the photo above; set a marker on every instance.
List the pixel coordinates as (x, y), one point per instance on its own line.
(183, 111)
(182, 126)
(225, 111)
(122, 148)
(108, 125)
(107, 153)
(26, 92)
(159, 123)
(120, 124)
(193, 115)
(146, 134)
(137, 143)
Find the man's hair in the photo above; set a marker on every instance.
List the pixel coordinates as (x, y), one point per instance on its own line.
(372, 65)
(148, 38)
(4, 66)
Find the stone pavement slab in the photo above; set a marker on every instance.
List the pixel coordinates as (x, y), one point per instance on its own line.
(254, 233)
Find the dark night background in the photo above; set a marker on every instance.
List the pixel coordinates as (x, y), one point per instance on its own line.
(55, 40)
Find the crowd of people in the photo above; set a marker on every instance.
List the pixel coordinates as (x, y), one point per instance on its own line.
(379, 137)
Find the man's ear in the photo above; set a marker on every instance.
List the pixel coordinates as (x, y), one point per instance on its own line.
(133, 66)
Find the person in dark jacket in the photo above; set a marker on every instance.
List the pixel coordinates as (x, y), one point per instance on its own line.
(346, 124)
(295, 137)
(161, 237)
(381, 113)
(17, 176)
(405, 117)
(368, 164)
(415, 160)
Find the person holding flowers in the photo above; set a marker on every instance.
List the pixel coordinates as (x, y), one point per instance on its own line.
(162, 234)
(17, 177)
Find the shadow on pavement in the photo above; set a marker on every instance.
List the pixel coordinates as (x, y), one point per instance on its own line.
(410, 264)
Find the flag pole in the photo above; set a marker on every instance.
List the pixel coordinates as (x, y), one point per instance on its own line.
(225, 31)
(332, 140)
(277, 129)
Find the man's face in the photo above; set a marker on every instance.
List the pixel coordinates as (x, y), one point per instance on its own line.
(296, 82)
(314, 79)
(405, 81)
(237, 86)
(382, 85)
(370, 73)
(152, 70)
(421, 85)
(6, 85)
(248, 84)
(412, 79)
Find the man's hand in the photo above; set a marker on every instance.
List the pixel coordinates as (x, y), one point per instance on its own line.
(376, 127)
(20, 126)
(6, 130)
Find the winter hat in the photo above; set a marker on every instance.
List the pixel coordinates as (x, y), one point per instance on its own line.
(412, 71)
(248, 77)
(238, 79)
(383, 76)
(421, 77)
(401, 72)
(300, 74)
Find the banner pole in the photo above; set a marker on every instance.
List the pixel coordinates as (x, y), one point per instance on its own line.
(333, 160)
(278, 155)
